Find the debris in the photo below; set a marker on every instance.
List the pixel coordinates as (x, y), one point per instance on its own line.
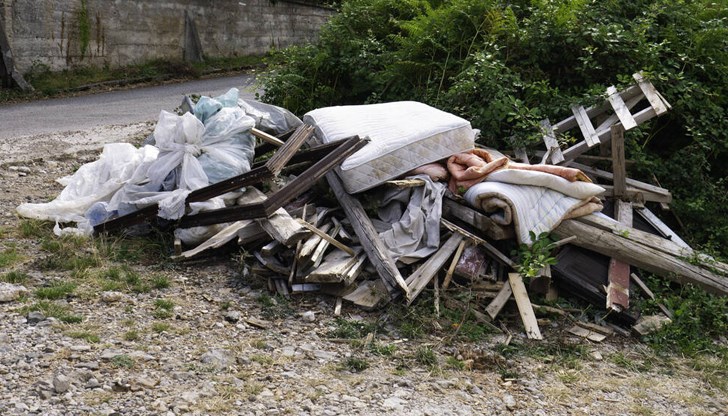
(649, 324)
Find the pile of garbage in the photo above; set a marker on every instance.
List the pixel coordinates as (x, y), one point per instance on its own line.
(374, 203)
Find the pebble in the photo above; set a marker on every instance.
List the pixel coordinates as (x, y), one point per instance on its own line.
(232, 316)
(34, 317)
(111, 297)
(10, 292)
(218, 358)
(509, 401)
(308, 316)
(61, 383)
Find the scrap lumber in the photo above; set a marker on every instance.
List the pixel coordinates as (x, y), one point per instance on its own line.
(334, 268)
(283, 228)
(654, 98)
(618, 274)
(369, 238)
(618, 168)
(453, 264)
(417, 281)
(661, 227)
(650, 191)
(497, 255)
(454, 211)
(530, 323)
(333, 241)
(587, 333)
(642, 256)
(553, 149)
(620, 108)
(223, 237)
(585, 125)
(303, 257)
(267, 137)
(497, 304)
(250, 233)
(369, 295)
(321, 248)
(649, 324)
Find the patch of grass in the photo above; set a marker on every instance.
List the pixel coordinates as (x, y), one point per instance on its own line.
(259, 344)
(163, 308)
(350, 329)
(262, 359)
(355, 364)
(51, 309)
(160, 327)
(131, 335)
(159, 282)
(68, 253)
(152, 249)
(9, 256)
(225, 305)
(15, 277)
(382, 350)
(631, 363)
(125, 278)
(87, 336)
(560, 352)
(275, 307)
(56, 290)
(35, 229)
(122, 361)
(426, 356)
(455, 364)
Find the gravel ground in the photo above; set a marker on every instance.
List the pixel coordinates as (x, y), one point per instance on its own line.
(196, 347)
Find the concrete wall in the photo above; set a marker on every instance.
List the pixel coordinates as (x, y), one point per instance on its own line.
(65, 33)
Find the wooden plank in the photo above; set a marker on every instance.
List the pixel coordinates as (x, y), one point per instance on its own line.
(417, 281)
(455, 211)
(337, 308)
(453, 264)
(618, 272)
(285, 153)
(283, 228)
(497, 304)
(666, 232)
(333, 268)
(329, 238)
(620, 108)
(272, 264)
(368, 237)
(355, 270)
(250, 232)
(592, 171)
(585, 125)
(627, 95)
(618, 166)
(586, 333)
(480, 317)
(650, 93)
(521, 155)
(267, 137)
(530, 323)
(552, 145)
(477, 240)
(369, 295)
(309, 246)
(642, 256)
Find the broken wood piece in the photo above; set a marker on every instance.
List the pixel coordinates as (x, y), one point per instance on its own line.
(258, 323)
(453, 264)
(500, 301)
(618, 272)
(637, 186)
(337, 308)
(271, 248)
(333, 268)
(586, 333)
(604, 330)
(562, 242)
(642, 256)
(305, 287)
(218, 240)
(369, 295)
(552, 145)
(666, 232)
(284, 228)
(281, 287)
(267, 137)
(650, 295)
(336, 243)
(454, 211)
(477, 240)
(250, 232)
(481, 318)
(309, 246)
(650, 93)
(524, 306)
(417, 281)
(618, 167)
(541, 283)
(355, 270)
(620, 108)
(323, 245)
(272, 263)
(585, 125)
(369, 238)
(648, 324)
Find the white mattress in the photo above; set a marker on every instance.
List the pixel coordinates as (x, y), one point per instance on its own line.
(404, 135)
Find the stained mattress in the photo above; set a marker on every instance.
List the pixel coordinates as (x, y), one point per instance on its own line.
(403, 135)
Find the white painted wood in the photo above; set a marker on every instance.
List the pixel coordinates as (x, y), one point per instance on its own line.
(585, 125)
(620, 108)
(650, 93)
(530, 323)
(552, 145)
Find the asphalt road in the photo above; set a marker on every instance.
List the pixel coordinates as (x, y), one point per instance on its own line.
(110, 108)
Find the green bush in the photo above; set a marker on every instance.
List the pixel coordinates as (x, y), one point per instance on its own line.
(506, 65)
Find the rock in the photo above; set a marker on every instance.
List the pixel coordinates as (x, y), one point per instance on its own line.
(61, 383)
(80, 348)
(92, 383)
(108, 355)
(308, 316)
(141, 356)
(91, 365)
(147, 382)
(111, 297)
(218, 358)
(232, 316)
(10, 292)
(394, 403)
(34, 317)
(509, 401)
(596, 355)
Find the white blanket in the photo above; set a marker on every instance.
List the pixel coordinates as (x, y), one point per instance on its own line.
(532, 201)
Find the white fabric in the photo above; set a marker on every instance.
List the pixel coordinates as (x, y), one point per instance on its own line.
(414, 218)
(577, 189)
(403, 135)
(530, 208)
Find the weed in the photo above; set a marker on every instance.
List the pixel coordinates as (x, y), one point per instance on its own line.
(455, 364)
(129, 323)
(87, 336)
(259, 343)
(122, 361)
(261, 359)
(275, 307)
(355, 364)
(35, 229)
(163, 308)
(160, 327)
(132, 335)
(56, 290)
(534, 257)
(160, 282)
(15, 277)
(225, 305)
(9, 256)
(425, 355)
(377, 348)
(349, 329)
(52, 309)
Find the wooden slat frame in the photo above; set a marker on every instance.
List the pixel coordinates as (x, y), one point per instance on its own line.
(585, 125)
(552, 145)
(620, 108)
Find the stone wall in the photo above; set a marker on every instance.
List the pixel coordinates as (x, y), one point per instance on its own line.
(60, 34)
